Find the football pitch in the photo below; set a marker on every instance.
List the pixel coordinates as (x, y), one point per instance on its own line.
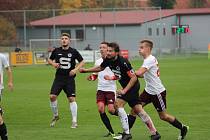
(28, 115)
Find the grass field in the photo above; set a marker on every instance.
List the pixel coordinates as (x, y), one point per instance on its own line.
(27, 111)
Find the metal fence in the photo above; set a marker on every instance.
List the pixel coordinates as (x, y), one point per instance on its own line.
(22, 34)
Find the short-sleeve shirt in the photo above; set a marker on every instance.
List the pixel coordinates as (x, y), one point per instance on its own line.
(66, 59)
(105, 85)
(153, 83)
(3, 64)
(119, 67)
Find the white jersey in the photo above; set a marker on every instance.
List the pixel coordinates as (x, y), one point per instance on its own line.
(3, 64)
(105, 85)
(151, 76)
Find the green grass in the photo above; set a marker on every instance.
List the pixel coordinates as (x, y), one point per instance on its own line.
(27, 111)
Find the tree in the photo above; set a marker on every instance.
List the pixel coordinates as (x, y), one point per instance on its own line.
(164, 4)
(198, 3)
(7, 33)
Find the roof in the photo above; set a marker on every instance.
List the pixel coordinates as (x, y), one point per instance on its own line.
(118, 17)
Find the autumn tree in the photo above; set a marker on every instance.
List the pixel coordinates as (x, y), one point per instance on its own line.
(7, 32)
(198, 3)
(164, 4)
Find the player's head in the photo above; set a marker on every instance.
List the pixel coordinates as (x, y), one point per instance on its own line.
(103, 49)
(145, 47)
(65, 39)
(113, 50)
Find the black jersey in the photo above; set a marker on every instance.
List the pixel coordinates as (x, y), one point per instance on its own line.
(66, 59)
(120, 67)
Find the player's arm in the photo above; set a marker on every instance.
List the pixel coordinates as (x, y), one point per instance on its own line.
(130, 84)
(140, 72)
(78, 66)
(10, 78)
(51, 62)
(92, 69)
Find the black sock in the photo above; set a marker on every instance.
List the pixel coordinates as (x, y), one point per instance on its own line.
(106, 122)
(176, 124)
(115, 113)
(3, 132)
(131, 120)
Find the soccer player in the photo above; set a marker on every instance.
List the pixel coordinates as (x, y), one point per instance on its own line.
(64, 60)
(129, 93)
(4, 64)
(154, 91)
(105, 91)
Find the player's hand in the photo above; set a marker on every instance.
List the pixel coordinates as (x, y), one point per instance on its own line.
(56, 65)
(92, 77)
(72, 72)
(82, 70)
(10, 86)
(120, 92)
(107, 77)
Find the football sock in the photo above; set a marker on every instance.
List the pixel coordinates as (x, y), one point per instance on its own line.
(124, 120)
(115, 113)
(73, 109)
(54, 107)
(147, 120)
(131, 120)
(176, 124)
(3, 132)
(106, 122)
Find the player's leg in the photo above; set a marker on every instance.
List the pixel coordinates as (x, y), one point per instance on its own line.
(131, 118)
(70, 91)
(101, 102)
(159, 101)
(138, 109)
(3, 128)
(55, 90)
(73, 109)
(119, 105)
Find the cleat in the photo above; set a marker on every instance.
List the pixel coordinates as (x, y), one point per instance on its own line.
(74, 125)
(156, 136)
(54, 120)
(125, 136)
(118, 137)
(109, 134)
(184, 131)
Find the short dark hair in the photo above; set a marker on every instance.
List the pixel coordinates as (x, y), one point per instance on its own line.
(149, 42)
(104, 42)
(66, 34)
(115, 46)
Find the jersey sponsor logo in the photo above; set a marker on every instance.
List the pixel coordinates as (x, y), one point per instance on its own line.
(117, 73)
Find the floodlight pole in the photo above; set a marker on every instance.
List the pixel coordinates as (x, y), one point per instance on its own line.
(24, 27)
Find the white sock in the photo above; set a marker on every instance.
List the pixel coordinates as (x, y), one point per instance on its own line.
(147, 120)
(54, 108)
(73, 109)
(124, 120)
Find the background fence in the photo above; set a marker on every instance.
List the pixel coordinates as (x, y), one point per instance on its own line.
(24, 32)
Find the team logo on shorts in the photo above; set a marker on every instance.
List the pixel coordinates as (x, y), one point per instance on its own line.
(69, 55)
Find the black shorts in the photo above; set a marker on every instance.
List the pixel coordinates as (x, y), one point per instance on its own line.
(132, 96)
(159, 100)
(67, 84)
